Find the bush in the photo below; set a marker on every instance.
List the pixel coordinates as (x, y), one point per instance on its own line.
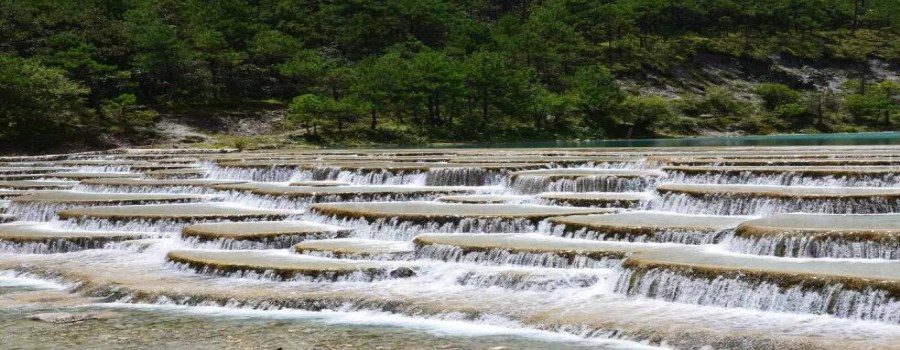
(240, 143)
(644, 114)
(128, 119)
(877, 106)
(774, 95)
(790, 112)
(718, 110)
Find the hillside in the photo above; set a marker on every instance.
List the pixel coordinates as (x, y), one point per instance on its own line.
(93, 74)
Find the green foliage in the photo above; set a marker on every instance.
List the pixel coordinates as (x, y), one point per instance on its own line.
(597, 96)
(273, 46)
(645, 114)
(436, 70)
(310, 110)
(789, 111)
(777, 95)
(494, 84)
(128, 119)
(880, 104)
(40, 105)
(717, 104)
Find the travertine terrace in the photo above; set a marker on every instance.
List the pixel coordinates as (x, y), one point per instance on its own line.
(735, 247)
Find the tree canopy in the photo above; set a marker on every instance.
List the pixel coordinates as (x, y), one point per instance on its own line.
(434, 70)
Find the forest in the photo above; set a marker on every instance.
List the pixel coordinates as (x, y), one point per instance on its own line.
(96, 73)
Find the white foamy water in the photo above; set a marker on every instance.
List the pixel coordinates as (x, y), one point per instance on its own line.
(441, 326)
(678, 287)
(12, 279)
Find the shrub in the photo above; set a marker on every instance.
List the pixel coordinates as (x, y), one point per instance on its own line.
(646, 113)
(774, 95)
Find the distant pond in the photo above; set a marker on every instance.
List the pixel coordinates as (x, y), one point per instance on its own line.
(868, 138)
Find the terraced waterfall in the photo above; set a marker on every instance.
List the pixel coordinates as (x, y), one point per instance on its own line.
(739, 248)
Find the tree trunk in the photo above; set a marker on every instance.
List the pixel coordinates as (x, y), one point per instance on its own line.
(863, 81)
(437, 110)
(399, 114)
(484, 111)
(450, 112)
(821, 121)
(430, 111)
(887, 110)
(214, 75)
(374, 119)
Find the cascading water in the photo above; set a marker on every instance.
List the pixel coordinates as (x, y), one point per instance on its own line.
(674, 286)
(144, 189)
(675, 235)
(784, 179)
(398, 230)
(358, 177)
(285, 202)
(38, 211)
(545, 281)
(464, 177)
(379, 177)
(789, 245)
(104, 169)
(54, 246)
(830, 299)
(538, 184)
(759, 206)
(265, 174)
(277, 242)
(503, 257)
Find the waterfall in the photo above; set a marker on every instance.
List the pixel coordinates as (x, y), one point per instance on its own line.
(676, 286)
(320, 276)
(352, 256)
(397, 230)
(186, 189)
(624, 165)
(783, 179)
(761, 206)
(61, 245)
(48, 211)
(299, 202)
(622, 204)
(265, 174)
(141, 225)
(126, 169)
(789, 245)
(38, 211)
(831, 299)
(362, 177)
(532, 184)
(524, 281)
(464, 177)
(277, 242)
(505, 257)
(672, 235)
(253, 200)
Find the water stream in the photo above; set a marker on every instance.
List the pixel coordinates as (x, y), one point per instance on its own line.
(627, 282)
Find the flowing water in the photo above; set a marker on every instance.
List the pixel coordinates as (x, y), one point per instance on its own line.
(453, 249)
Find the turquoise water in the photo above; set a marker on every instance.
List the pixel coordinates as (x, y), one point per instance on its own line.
(870, 138)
